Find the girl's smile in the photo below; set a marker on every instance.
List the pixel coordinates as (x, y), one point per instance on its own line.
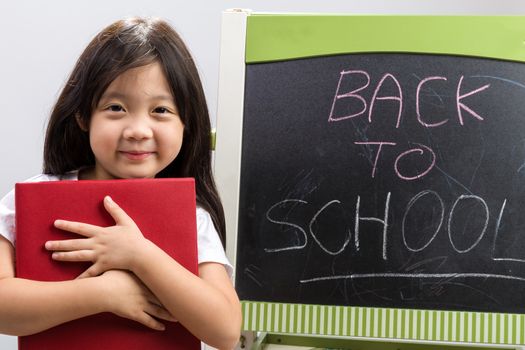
(136, 155)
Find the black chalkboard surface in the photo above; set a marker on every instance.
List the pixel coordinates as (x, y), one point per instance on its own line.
(390, 180)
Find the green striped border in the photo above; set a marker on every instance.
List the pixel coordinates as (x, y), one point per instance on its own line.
(369, 322)
(289, 36)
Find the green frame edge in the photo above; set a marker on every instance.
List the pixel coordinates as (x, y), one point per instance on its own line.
(384, 323)
(277, 37)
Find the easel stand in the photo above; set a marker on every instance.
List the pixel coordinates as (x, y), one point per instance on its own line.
(299, 229)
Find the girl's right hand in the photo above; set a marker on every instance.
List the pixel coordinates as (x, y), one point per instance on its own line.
(126, 296)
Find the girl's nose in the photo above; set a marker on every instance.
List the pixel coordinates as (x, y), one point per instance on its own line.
(138, 129)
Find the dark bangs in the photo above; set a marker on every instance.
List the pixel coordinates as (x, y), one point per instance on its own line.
(122, 46)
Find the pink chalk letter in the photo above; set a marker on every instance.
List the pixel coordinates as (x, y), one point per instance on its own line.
(398, 98)
(420, 151)
(417, 103)
(461, 106)
(352, 95)
(378, 151)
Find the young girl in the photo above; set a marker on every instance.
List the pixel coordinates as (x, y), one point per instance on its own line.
(133, 107)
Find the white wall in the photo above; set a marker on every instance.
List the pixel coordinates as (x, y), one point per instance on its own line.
(41, 40)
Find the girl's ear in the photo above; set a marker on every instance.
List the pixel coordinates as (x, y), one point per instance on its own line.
(81, 123)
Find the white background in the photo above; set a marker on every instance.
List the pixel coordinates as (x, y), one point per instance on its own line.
(41, 40)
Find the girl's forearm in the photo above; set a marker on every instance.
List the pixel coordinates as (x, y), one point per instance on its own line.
(28, 307)
(211, 314)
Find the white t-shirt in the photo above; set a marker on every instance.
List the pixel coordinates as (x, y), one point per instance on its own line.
(209, 245)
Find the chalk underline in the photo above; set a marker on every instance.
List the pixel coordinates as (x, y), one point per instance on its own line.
(412, 275)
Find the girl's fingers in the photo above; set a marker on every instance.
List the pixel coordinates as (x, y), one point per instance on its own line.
(148, 294)
(155, 307)
(117, 213)
(150, 322)
(80, 228)
(92, 271)
(159, 312)
(69, 244)
(77, 255)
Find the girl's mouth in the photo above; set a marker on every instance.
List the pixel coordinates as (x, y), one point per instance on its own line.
(136, 155)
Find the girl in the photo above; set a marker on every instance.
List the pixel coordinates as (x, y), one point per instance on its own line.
(133, 107)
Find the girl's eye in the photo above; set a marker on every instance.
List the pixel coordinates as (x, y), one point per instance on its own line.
(161, 110)
(115, 108)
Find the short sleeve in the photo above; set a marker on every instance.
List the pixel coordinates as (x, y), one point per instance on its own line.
(209, 245)
(7, 204)
(7, 216)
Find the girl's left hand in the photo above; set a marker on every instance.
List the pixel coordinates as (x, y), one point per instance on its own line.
(108, 248)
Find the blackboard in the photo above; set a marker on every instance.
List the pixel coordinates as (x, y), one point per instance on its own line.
(426, 153)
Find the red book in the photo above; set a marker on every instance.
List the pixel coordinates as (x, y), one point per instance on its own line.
(163, 209)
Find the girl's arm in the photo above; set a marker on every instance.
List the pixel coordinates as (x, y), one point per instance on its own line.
(206, 305)
(28, 307)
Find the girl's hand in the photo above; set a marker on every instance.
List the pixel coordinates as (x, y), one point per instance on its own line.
(108, 248)
(129, 298)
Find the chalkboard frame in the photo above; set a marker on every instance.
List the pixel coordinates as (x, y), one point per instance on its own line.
(253, 38)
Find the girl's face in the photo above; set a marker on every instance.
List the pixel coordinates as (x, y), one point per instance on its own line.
(135, 130)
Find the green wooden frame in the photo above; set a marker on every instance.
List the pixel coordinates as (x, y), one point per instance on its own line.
(283, 37)
(385, 323)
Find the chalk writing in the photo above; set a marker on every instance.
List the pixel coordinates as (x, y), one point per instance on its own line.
(398, 97)
(383, 221)
(414, 275)
(420, 150)
(418, 91)
(384, 180)
(461, 198)
(380, 144)
(314, 219)
(407, 211)
(462, 106)
(351, 94)
(303, 233)
(495, 241)
(385, 225)
(350, 97)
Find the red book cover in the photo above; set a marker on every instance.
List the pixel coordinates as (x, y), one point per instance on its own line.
(165, 212)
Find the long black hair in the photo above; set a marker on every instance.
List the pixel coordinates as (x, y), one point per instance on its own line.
(123, 45)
